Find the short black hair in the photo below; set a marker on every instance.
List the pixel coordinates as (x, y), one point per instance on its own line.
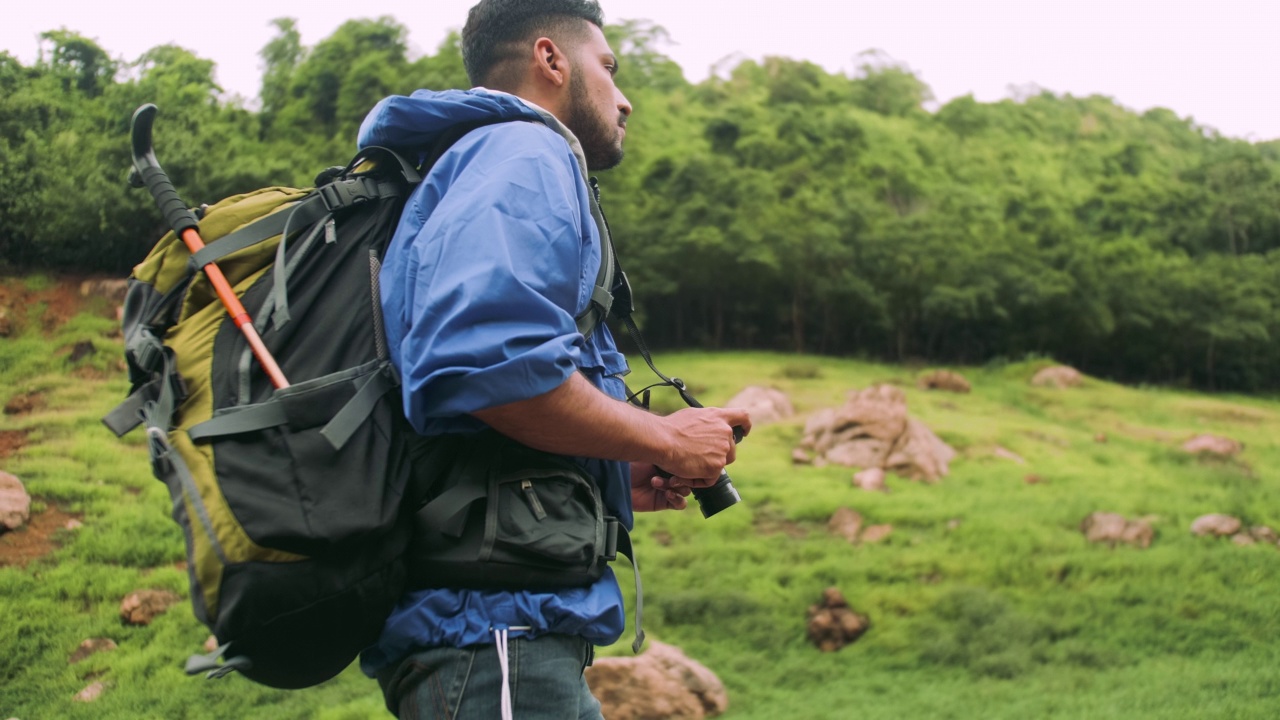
(496, 30)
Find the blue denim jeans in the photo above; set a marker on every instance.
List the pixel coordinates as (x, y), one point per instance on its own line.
(446, 683)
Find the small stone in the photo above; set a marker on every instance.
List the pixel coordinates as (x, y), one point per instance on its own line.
(1264, 534)
(871, 479)
(143, 606)
(1100, 438)
(954, 524)
(1243, 540)
(1216, 524)
(1060, 377)
(91, 693)
(1212, 445)
(73, 524)
(1009, 455)
(876, 533)
(800, 457)
(92, 646)
(944, 380)
(845, 523)
(15, 503)
(1033, 479)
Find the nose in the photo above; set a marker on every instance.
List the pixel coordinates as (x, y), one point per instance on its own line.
(624, 105)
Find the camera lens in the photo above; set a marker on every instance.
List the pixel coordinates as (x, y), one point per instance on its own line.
(715, 498)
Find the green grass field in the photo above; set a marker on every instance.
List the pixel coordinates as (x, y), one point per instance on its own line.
(985, 602)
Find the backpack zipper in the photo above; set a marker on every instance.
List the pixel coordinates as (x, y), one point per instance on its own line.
(534, 503)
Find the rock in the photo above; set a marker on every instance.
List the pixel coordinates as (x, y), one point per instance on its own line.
(143, 606)
(1060, 376)
(1112, 528)
(1033, 479)
(954, 524)
(15, 503)
(832, 624)
(112, 289)
(800, 457)
(1264, 534)
(73, 524)
(871, 479)
(6, 325)
(1009, 455)
(920, 455)
(1212, 445)
(91, 693)
(846, 523)
(944, 380)
(766, 405)
(92, 646)
(872, 430)
(1215, 524)
(1243, 540)
(1100, 438)
(661, 683)
(876, 533)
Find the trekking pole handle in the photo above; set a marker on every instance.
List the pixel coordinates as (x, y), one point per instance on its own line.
(148, 173)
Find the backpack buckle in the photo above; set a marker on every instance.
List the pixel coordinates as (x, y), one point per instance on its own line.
(349, 193)
(610, 551)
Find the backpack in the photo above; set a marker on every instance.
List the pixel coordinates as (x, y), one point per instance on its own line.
(297, 503)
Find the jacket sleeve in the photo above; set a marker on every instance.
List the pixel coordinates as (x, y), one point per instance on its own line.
(493, 275)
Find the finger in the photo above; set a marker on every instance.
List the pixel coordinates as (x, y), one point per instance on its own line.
(739, 417)
(676, 501)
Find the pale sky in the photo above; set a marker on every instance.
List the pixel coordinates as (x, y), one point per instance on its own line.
(1216, 62)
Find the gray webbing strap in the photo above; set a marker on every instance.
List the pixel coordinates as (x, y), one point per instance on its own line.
(247, 418)
(625, 548)
(259, 230)
(444, 513)
(128, 415)
(352, 415)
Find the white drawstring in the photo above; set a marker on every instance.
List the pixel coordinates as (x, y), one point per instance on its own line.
(501, 637)
(500, 641)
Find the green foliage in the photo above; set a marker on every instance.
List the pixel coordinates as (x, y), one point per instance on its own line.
(772, 206)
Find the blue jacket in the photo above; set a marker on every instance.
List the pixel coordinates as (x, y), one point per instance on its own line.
(495, 255)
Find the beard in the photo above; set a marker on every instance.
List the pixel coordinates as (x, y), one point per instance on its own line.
(595, 132)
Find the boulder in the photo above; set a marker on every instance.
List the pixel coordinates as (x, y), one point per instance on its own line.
(872, 430)
(920, 455)
(92, 646)
(142, 606)
(832, 624)
(1059, 376)
(1243, 540)
(766, 405)
(846, 523)
(1264, 534)
(1112, 528)
(661, 683)
(15, 503)
(1216, 525)
(944, 380)
(1212, 445)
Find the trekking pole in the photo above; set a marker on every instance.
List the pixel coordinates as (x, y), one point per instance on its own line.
(148, 173)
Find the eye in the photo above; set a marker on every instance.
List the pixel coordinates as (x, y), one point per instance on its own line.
(613, 69)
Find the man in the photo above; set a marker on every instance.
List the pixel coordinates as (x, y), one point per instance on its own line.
(495, 257)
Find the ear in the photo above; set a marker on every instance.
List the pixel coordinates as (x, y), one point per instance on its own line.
(550, 63)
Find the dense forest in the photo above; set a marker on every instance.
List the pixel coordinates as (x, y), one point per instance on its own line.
(774, 206)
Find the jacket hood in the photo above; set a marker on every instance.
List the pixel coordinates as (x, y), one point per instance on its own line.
(416, 122)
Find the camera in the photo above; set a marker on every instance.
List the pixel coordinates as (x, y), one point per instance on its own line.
(722, 494)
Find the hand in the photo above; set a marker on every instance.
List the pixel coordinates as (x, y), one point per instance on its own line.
(651, 492)
(702, 442)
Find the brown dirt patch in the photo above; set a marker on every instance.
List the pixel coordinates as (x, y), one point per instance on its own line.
(61, 301)
(768, 521)
(35, 539)
(11, 441)
(24, 404)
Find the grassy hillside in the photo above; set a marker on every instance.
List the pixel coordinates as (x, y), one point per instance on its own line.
(985, 601)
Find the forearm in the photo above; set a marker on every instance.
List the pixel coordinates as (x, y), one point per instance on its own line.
(578, 419)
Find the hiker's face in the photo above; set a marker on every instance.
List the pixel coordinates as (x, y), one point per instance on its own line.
(598, 110)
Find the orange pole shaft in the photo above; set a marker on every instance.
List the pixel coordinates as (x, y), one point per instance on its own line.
(237, 312)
